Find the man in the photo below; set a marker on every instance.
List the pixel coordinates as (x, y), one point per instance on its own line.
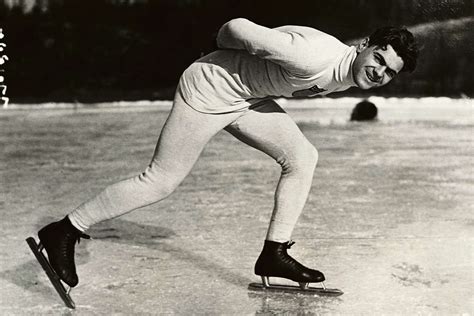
(231, 89)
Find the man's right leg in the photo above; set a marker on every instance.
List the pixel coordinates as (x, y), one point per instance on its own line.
(182, 139)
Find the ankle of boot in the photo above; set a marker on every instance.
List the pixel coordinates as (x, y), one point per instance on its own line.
(70, 227)
(269, 244)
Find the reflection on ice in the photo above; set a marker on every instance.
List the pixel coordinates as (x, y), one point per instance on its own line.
(284, 303)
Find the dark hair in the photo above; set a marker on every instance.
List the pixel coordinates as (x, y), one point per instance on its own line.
(402, 42)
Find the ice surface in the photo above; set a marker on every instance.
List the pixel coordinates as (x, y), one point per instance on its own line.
(389, 218)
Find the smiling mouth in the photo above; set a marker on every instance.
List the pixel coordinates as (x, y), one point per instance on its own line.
(369, 76)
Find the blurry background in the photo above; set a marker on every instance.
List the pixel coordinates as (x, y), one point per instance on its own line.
(104, 50)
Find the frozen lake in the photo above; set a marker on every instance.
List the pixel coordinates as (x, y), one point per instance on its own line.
(389, 218)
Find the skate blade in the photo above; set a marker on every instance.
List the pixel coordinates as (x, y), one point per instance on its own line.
(53, 277)
(279, 288)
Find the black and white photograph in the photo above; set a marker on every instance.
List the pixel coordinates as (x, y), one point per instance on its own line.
(236, 157)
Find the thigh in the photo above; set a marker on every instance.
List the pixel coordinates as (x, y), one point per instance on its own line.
(184, 136)
(268, 128)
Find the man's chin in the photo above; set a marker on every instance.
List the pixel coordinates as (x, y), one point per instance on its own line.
(364, 85)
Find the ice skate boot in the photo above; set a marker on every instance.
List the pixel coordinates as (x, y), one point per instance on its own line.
(274, 261)
(58, 239)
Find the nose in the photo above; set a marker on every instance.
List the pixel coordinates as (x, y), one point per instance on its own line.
(378, 72)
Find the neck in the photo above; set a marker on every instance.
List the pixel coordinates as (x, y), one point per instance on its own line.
(344, 70)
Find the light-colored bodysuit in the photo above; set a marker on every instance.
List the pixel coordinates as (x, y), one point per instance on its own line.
(289, 61)
(231, 89)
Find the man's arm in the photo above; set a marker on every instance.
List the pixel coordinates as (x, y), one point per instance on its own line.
(241, 33)
(288, 49)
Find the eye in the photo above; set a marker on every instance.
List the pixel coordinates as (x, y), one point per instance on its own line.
(378, 59)
(391, 73)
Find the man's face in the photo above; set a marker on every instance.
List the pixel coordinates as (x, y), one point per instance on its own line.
(375, 66)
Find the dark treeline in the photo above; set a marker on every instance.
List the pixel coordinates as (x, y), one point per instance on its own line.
(78, 50)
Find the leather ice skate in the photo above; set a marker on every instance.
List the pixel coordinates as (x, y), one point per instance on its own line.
(58, 239)
(274, 261)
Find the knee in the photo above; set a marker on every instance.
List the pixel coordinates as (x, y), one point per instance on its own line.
(163, 190)
(158, 185)
(310, 156)
(314, 155)
(303, 159)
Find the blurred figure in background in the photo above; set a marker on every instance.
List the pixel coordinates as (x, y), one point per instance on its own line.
(364, 111)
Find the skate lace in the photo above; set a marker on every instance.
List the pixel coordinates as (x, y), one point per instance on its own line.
(290, 260)
(82, 235)
(67, 248)
(287, 258)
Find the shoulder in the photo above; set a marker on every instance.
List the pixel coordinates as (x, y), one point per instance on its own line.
(311, 35)
(318, 50)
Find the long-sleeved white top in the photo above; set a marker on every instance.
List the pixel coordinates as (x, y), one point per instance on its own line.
(256, 62)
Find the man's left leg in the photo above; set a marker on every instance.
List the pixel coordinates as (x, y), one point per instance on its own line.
(268, 128)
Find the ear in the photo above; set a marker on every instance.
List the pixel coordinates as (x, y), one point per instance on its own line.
(363, 45)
